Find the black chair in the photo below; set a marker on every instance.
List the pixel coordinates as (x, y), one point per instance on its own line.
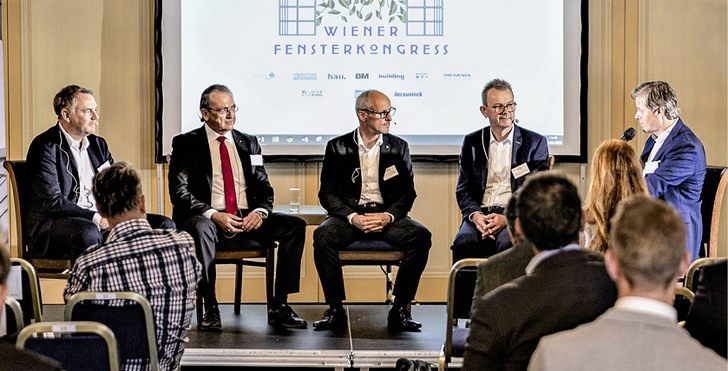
(19, 186)
(683, 299)
(455, 337)
(714, 187)
(373, 252)
(132, 321)
(690, 282)
(31, 300)
(251, 250)
(13, 316)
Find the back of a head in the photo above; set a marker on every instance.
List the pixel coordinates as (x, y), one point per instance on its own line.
(117, 190)
(549, 210)
(4, 264)
(648, 239)
(616, 175)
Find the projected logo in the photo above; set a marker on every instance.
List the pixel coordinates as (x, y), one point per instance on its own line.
(302, 17)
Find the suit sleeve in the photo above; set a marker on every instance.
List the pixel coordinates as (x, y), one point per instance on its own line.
(330, 196)
(486, 343)
(468, 183)
(181, 169)
(262, 193)
(43, 164)
(675, 168)
(540, 159)
(405, 197)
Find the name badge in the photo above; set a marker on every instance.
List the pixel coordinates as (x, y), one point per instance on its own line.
(256, 160)
(390, 173)
(520, 171)
(650, 167)
(103, 167)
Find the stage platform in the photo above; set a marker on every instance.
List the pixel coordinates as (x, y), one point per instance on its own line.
(247, 341)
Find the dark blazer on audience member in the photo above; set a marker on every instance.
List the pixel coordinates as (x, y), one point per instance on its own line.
(527, 148)
(53, 175)
(341, 176)
(679, 178)
(564, 291)
(190, 174)
(706, 319)
(503, 267)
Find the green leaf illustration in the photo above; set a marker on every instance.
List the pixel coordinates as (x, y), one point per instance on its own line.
(390, 20)
(393, 8)
(351, 11)
(334, 12)
(358, 14)
(318, 21)
(368, 16)
(402, 18)
(344, 4)
(344, 18)
(324, 5)
(379, 14)
(331, 4)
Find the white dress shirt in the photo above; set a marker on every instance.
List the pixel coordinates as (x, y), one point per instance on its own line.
(543, 255)
(86, 172)
(498, 185)
(369, 172)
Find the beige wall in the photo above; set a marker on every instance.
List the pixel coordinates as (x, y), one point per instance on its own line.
(109, 50)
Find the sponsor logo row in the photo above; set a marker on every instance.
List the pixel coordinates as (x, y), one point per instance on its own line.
(318, 93)
(308, 76)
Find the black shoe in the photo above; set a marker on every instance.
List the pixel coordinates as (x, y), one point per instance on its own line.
(211, 321)
(400, 319)
(283, 315)
(334, 319)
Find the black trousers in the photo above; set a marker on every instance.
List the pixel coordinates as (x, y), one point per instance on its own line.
(468, 243)
(288, 230)
(336, 233)
(69, 237)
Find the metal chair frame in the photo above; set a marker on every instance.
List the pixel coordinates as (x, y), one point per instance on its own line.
(14, 306)
(689, 280)
(34, 286)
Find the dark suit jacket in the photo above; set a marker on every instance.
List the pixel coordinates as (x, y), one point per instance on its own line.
(706, 319)
(679, 178)
(341, 176)
(54, 177)
(190, 174)
(564, 291)
(528, 148)
(503, 267)
(15, 359)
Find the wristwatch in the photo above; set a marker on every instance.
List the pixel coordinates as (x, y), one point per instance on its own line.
(261, 214)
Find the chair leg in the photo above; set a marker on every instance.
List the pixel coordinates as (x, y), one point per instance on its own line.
(390, 285)
(270, 263)
(238, 286)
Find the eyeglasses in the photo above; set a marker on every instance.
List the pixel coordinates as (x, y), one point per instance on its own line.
(224, 111)
(499, 108)
(382, 114)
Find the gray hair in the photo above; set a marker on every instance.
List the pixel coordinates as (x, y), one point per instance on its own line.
(658, 94)
(497, 84)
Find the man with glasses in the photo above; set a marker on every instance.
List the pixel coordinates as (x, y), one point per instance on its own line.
(367, 187)
(494, 163)
(61, 164)
(221, 196)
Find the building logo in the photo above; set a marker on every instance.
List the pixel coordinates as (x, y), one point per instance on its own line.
(305, 76)
(361, 76)
(391, 76)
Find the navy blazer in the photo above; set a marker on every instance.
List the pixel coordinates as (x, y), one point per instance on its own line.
(190, 174)
(679, 178)
(528, 148)
(341, 176)
(53, 175)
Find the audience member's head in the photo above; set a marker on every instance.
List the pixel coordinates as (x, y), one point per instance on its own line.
(118, 191)
(616, 174)
(648, 252)
(658, 96)
(67, 97)
(4, 272)
(511, 216)
(549, 211)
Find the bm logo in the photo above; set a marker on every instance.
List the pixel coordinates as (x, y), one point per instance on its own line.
(362, 76)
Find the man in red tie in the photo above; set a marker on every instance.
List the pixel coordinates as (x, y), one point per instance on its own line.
(222, 197)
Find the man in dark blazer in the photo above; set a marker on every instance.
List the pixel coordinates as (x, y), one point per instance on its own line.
(61, 164)
(221, 195)
(367, 187)
(564, 285)
(706, 319)
(673, 157)
(494, 162)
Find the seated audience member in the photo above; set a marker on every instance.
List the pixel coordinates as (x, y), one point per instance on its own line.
(61, 164)
(706, 319)
(494, 162)
(616, 174)
(222, 197)
(367, 187)
(157, 263)
(646, 257)
(564, 285)
(11, 358)
(507, 265)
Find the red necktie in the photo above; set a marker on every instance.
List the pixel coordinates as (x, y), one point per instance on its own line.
(231, 202)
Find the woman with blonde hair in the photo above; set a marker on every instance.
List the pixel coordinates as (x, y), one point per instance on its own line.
(616, 174)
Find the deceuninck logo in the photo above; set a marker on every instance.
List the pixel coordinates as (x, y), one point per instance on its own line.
(304, 17)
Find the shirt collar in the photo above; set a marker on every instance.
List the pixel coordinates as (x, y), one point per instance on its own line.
(661, 138)
(127, 227)
(508, 140)
(543, 255)
(360, 141)
(647, 306)
(212, 135)
(73, 143)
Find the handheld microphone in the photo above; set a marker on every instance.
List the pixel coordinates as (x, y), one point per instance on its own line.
(628, 134)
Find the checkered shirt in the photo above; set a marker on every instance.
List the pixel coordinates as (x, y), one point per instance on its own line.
(159, 264)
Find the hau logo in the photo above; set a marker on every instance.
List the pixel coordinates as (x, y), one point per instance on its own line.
(362, 76)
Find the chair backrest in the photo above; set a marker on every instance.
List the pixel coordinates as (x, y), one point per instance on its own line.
(689, 282)
(447, 348)
(132, 321)
(13, 316)
(76, 345)
(31, 301)
(714, 187)
(19, 187)
(683, 299)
